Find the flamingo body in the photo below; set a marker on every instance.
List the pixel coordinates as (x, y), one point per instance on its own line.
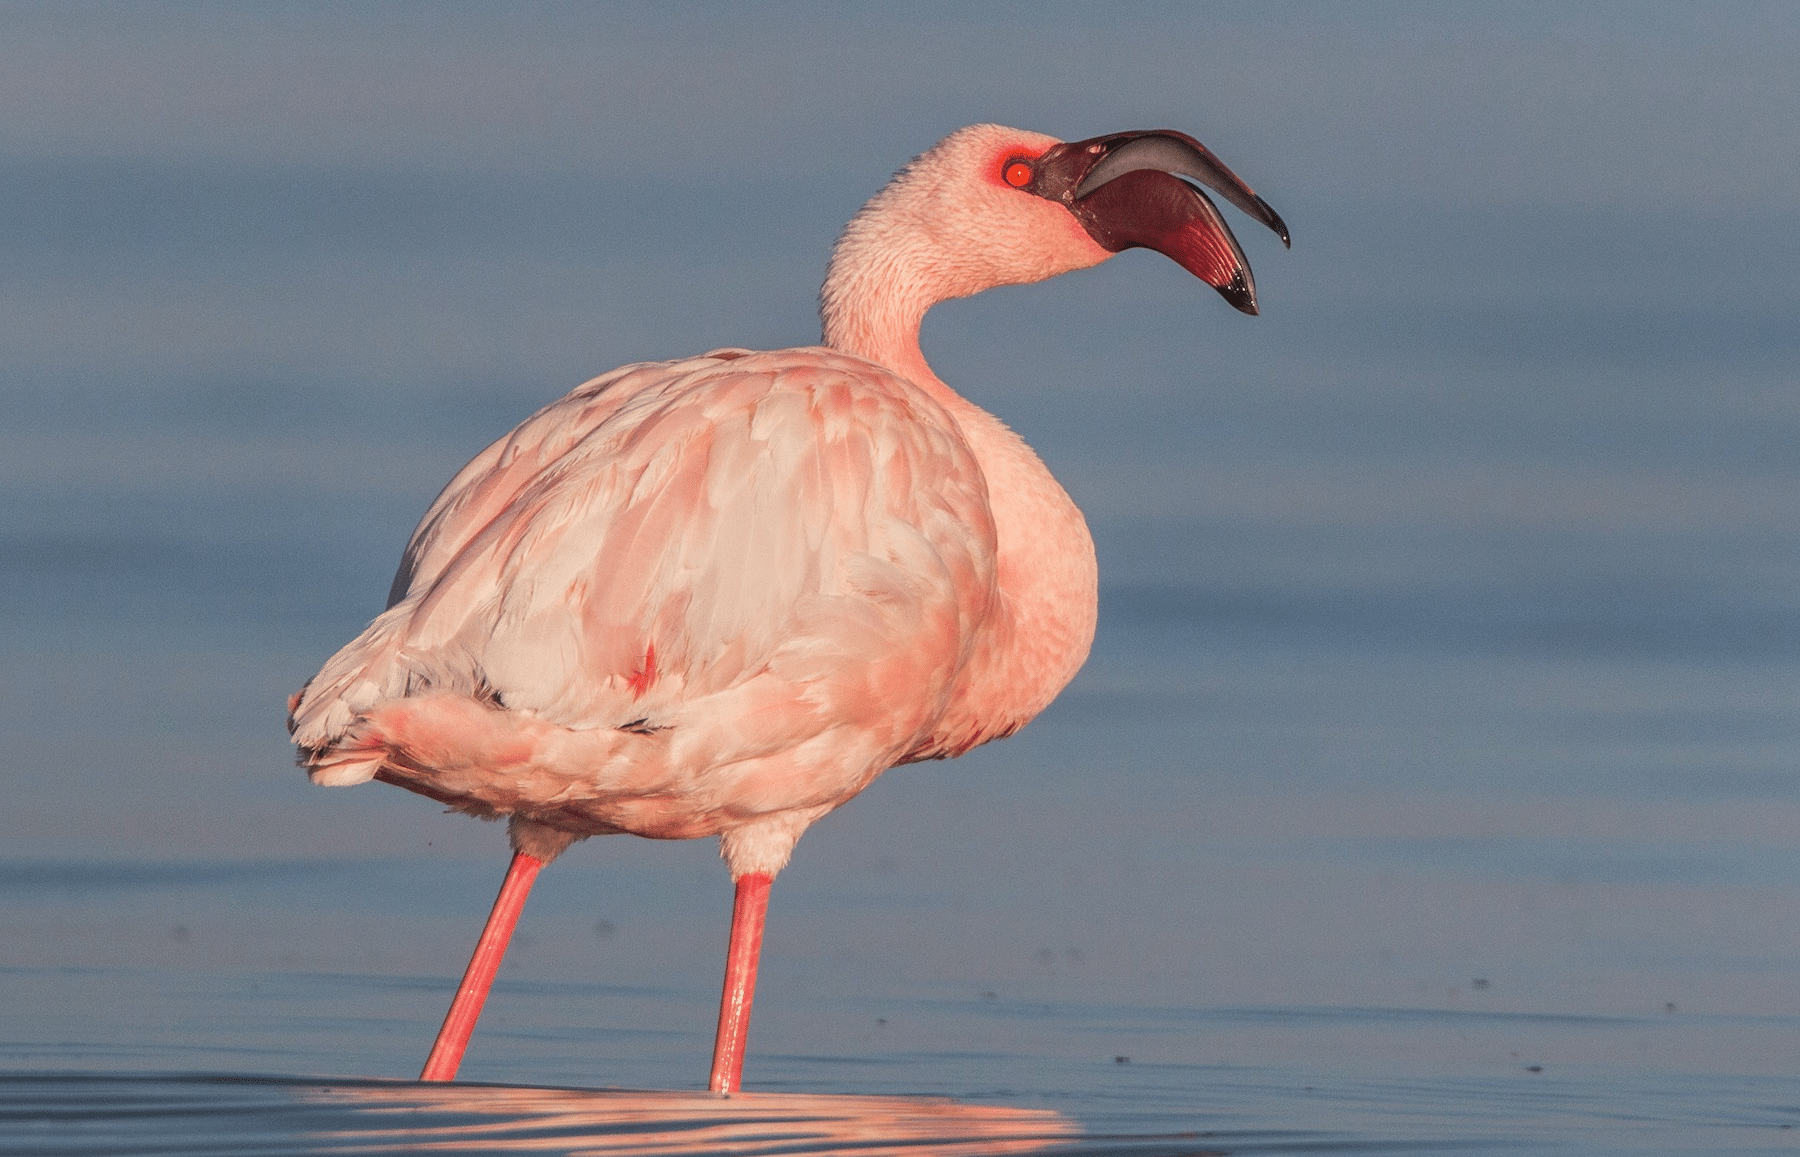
(708, 597)
(720, 595)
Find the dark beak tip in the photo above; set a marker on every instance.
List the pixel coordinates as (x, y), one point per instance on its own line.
(1240, 295)
(1277, 224)
(1241, 299)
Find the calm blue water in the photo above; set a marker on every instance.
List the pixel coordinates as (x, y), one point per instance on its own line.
(1432, 786)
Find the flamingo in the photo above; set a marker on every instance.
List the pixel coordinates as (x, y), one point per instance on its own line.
(718, 596)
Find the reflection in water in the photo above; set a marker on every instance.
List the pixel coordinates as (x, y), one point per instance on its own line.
(460, 1118)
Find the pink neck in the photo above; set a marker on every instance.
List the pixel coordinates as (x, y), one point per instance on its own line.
(876, 313)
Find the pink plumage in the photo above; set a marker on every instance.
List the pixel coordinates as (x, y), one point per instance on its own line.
(719, 596)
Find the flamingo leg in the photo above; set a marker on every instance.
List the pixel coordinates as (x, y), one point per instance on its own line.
(471, 994)
(747, 912)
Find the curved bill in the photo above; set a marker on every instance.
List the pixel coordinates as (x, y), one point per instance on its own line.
(1126, 190)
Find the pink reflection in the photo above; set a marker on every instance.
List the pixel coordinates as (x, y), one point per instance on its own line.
(569, 1121)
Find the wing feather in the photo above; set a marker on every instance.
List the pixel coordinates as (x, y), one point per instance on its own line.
(757, 550)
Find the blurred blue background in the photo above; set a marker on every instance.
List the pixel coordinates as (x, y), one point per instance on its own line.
(1449, 639)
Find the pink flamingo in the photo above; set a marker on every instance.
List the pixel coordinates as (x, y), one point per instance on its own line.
(719, 596)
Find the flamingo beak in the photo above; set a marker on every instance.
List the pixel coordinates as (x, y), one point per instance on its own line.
(1126, 190)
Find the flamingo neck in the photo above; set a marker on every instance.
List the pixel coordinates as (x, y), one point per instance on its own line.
(874, 310)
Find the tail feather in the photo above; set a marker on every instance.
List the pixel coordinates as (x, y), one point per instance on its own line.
(366, 672)
(337, 770)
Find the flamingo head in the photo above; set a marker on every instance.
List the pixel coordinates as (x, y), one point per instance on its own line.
(990, 205)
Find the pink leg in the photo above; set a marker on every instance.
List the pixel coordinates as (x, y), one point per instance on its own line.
(747, 913)
(465, 1009)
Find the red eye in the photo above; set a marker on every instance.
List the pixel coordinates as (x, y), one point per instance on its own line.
(1018, 173)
